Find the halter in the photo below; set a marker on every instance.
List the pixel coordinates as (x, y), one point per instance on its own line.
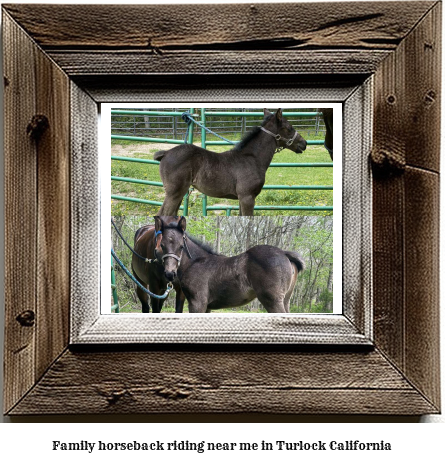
(173, 255)
(176, 257)
(278, 137)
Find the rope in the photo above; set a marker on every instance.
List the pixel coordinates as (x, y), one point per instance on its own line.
(187, 117)
(147, 260)
(128, 273)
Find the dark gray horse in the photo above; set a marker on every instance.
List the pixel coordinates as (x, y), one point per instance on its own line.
(211, 281)
(239, 173)
(328, 122)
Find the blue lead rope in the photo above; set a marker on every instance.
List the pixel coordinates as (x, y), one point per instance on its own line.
(187, 117)
(127, 244)
(155, 296)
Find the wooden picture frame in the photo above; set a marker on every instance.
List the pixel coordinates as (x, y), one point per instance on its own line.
(56, 72)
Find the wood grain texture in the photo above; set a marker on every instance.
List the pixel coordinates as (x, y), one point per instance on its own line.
(291, 61)
(396, 41)
(20, 213)
(85, 211)
(407, 118)
(422, 364)
(406, 205)
(356, 209)
(266, 329)
(388, 270)
(219, 88)
(222, 382)
(53, 225)
(275, 26)
(423, 91)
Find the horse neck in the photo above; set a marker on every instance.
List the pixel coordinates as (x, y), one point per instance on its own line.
(263, 147)
(195, 251)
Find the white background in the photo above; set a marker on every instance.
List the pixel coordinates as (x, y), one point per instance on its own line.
(22, 440)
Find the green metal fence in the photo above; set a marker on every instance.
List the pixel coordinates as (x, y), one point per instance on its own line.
(115, 306)
(205, 143)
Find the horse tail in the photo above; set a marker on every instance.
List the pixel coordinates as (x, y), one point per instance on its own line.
(160, 155)
(294, 257)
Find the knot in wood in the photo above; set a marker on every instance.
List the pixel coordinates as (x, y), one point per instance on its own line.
(172, 393)
(391, 99)
(115, 396)
(430, 97)
(26, 318)
(37, 126)
(387, 163)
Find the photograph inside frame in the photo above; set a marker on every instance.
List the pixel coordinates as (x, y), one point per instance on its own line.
(221, 210)
(243, 265)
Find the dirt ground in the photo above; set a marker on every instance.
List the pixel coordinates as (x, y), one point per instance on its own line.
(129, 150)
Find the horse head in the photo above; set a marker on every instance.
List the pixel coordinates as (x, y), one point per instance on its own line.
(172, 242)
(286, 136)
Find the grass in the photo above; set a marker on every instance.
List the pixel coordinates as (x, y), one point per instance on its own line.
(132, 307)
(282, 176)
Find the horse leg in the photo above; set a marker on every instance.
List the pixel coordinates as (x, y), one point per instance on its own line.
(176, 185)
(273, 301)
(273, 305)
(197, 305)
(143, 297)
(171, 203)
(180, 299)
(156, 304)
(246, 204)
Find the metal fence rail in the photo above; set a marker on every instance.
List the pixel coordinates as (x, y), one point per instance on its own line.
(169, 124)
(115, 306)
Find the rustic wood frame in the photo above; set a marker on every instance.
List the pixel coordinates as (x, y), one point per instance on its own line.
(67, 60)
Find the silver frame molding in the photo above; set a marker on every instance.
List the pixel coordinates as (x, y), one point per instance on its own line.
(353, 327)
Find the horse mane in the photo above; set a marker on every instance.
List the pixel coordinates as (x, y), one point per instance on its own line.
(196, 241)
(202, 245)
(250, 135)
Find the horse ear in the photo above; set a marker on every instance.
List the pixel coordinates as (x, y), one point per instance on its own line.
(182, 224)
(267, 112)
(158, 223)
(279, 114)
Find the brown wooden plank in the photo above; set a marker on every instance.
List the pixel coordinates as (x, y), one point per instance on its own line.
(20, 213)
(388, 268)
(407, 117)
(388, 199)
(388, 155)
(196, 381)
(78, 62)
(364, 25)
(53, 228)
(407, 132)
(422, 281)
(423, 90)
(188, 381)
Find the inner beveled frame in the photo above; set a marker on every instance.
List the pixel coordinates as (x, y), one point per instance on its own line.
(353, 326)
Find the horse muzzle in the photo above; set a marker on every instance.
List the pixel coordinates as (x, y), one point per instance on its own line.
(170, 276)
(299, 146)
